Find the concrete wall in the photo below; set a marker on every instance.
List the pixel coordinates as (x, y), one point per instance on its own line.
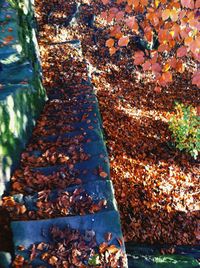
(21, 93)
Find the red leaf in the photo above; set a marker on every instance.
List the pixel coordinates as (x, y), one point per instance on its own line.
(156, 67)
(158, 89)
(146, 66)
(123, 41)
(196, 78)
(181, 51)
(119, 16)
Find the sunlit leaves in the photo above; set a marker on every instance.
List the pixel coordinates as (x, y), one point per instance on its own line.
(176, 24)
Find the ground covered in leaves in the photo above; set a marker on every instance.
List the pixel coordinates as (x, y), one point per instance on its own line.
(156, 186)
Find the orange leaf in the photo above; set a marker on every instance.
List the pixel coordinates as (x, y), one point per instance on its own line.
(16, 186)
(166, 67)
(112, 50)
(144, 2)
(112, 249)
(8, 39)
(167, 77)
(133, 2)
(103, 247)
(103, 174)
(174, 15)
(180, 67)
(53, 260)
(110, 42)
(149, 36)
(188, 40)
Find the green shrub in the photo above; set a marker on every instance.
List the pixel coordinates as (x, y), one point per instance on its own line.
(185, 127)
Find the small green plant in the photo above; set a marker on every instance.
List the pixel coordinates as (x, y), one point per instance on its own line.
(185, 127)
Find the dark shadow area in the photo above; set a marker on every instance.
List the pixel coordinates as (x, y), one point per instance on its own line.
(5, 233)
